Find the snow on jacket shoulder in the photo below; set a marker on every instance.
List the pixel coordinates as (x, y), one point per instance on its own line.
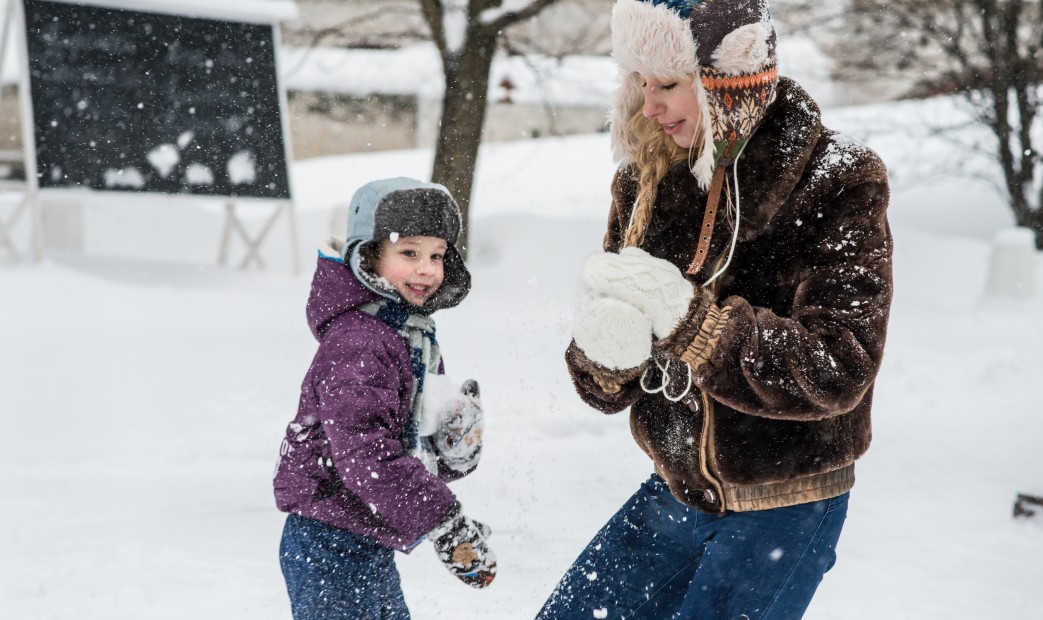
(343, 461)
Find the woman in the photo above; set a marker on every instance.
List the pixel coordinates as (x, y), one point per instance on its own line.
(739, 310)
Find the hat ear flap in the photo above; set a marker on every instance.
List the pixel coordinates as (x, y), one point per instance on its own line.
(706, 152)
(744, 50)
(626, 101)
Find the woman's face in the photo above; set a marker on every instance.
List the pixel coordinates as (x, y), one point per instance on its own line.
(672, 102)
(413, 265)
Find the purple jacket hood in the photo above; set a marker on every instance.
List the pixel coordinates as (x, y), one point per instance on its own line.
(334, 289)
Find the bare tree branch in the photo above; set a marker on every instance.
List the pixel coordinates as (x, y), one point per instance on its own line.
(432, 11)
(513, 17)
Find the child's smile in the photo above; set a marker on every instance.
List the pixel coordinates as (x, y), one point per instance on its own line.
(414, 266)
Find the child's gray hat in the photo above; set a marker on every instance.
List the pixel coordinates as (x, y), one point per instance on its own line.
(404, 207)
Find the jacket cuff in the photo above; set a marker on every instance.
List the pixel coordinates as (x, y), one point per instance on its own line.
(709, 335)
(446, 523)
(586, 365)
(694, 341)
(687, 328)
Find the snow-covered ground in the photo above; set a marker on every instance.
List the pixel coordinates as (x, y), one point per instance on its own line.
(144, 394)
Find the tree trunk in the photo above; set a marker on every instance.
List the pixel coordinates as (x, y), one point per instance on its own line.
(463, 115)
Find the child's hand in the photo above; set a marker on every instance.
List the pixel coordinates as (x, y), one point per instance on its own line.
(458, 439)
(460, 543)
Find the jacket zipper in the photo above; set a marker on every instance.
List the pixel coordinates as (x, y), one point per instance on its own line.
(707, 454)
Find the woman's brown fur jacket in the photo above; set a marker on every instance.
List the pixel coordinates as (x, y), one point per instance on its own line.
(780, 408)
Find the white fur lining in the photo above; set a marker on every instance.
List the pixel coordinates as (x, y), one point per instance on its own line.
(653, 40)
(332, 246)
(703, 167)
(626, 101)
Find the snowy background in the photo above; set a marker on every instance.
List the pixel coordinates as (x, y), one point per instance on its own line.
(145, 391)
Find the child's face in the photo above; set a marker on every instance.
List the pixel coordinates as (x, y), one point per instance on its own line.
(413, 265)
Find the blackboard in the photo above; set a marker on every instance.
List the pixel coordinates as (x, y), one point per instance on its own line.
(126, 100)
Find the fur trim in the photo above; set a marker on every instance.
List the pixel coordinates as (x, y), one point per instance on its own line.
(332, 247)
(619, 377)
(652, 39)
(626, 101)
(743, 51)
(674, 344)
(707, 159)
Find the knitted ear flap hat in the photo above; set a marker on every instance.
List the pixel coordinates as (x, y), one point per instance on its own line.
(728, 45)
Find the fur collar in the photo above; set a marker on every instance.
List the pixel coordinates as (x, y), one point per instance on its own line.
(776, 156)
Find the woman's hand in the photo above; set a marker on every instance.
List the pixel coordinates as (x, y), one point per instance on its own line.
(652, 285)
(613, 334)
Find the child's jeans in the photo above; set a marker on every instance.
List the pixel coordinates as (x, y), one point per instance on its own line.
(332, 574)
(658, 559)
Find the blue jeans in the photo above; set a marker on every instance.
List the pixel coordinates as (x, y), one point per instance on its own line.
(332, 574)
(658, 558)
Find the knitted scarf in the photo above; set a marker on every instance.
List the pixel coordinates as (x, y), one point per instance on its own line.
(424, 354)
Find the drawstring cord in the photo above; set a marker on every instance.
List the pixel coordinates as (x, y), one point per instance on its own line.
(665, 370)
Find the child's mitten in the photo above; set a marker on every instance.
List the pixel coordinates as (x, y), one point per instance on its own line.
(460, 543)
(458, 439)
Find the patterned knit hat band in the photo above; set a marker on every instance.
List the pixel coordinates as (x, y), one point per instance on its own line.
(728, 44)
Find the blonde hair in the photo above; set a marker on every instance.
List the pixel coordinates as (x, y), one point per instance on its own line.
(656, 152)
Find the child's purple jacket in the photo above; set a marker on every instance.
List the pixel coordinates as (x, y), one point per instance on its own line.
(343, 461)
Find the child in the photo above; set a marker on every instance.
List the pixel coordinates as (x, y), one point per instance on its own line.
(379, 429)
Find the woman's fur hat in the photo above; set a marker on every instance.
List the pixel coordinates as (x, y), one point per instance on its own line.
(728, 45)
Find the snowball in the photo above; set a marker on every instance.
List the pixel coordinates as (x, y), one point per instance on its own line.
(438, 390)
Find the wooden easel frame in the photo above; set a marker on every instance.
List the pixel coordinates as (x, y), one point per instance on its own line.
(234, 226)
(14, 21)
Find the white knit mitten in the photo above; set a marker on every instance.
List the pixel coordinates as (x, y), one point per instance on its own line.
(614, 334)
(652, 285)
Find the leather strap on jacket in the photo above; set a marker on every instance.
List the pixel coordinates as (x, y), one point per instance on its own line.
(709, 219)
